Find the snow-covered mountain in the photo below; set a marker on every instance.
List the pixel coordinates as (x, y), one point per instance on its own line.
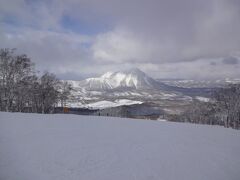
(130, 79)
(121, 88)
(135, 87)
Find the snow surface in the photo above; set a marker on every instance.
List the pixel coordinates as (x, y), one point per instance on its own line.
(203, 99)
(108, 104)
(60, 147)
(101, 104)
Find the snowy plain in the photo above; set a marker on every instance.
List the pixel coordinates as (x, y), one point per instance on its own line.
(72, 147)
(116, 103)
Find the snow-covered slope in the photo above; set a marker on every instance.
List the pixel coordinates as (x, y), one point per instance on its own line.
(116, 103)
(189, 83)
(60, 147)
(133, 78)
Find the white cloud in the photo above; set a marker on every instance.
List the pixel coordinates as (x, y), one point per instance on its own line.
(55, 51)
(118, 46)
(121, 46)
(164, 38)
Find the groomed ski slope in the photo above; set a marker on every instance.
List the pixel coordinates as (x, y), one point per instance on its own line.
(71, 147)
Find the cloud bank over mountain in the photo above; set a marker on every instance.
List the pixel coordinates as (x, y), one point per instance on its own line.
(165, 38)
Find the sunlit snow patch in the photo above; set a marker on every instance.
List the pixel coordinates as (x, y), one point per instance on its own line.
(108, 104)
(203, 99)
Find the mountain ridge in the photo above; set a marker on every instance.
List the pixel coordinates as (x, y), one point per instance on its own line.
(131, 78)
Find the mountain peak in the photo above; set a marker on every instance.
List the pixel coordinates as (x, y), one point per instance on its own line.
(131, 78)
(134, 71)
(107, 74)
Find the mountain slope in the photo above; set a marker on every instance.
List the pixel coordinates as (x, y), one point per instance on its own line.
(130, 79)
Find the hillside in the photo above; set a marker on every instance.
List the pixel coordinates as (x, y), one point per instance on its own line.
(60, 147)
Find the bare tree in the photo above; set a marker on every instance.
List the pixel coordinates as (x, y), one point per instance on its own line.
(228, 103)
(49, 85)
(13, 72)
(64, 92)
(21, 90)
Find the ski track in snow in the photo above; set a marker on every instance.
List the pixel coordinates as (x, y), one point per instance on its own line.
(49, 147)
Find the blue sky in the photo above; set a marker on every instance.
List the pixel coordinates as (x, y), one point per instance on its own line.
(83, 27)
(165, 38)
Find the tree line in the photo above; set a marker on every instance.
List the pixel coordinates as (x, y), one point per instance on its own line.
(22, 90)
(223, 109)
